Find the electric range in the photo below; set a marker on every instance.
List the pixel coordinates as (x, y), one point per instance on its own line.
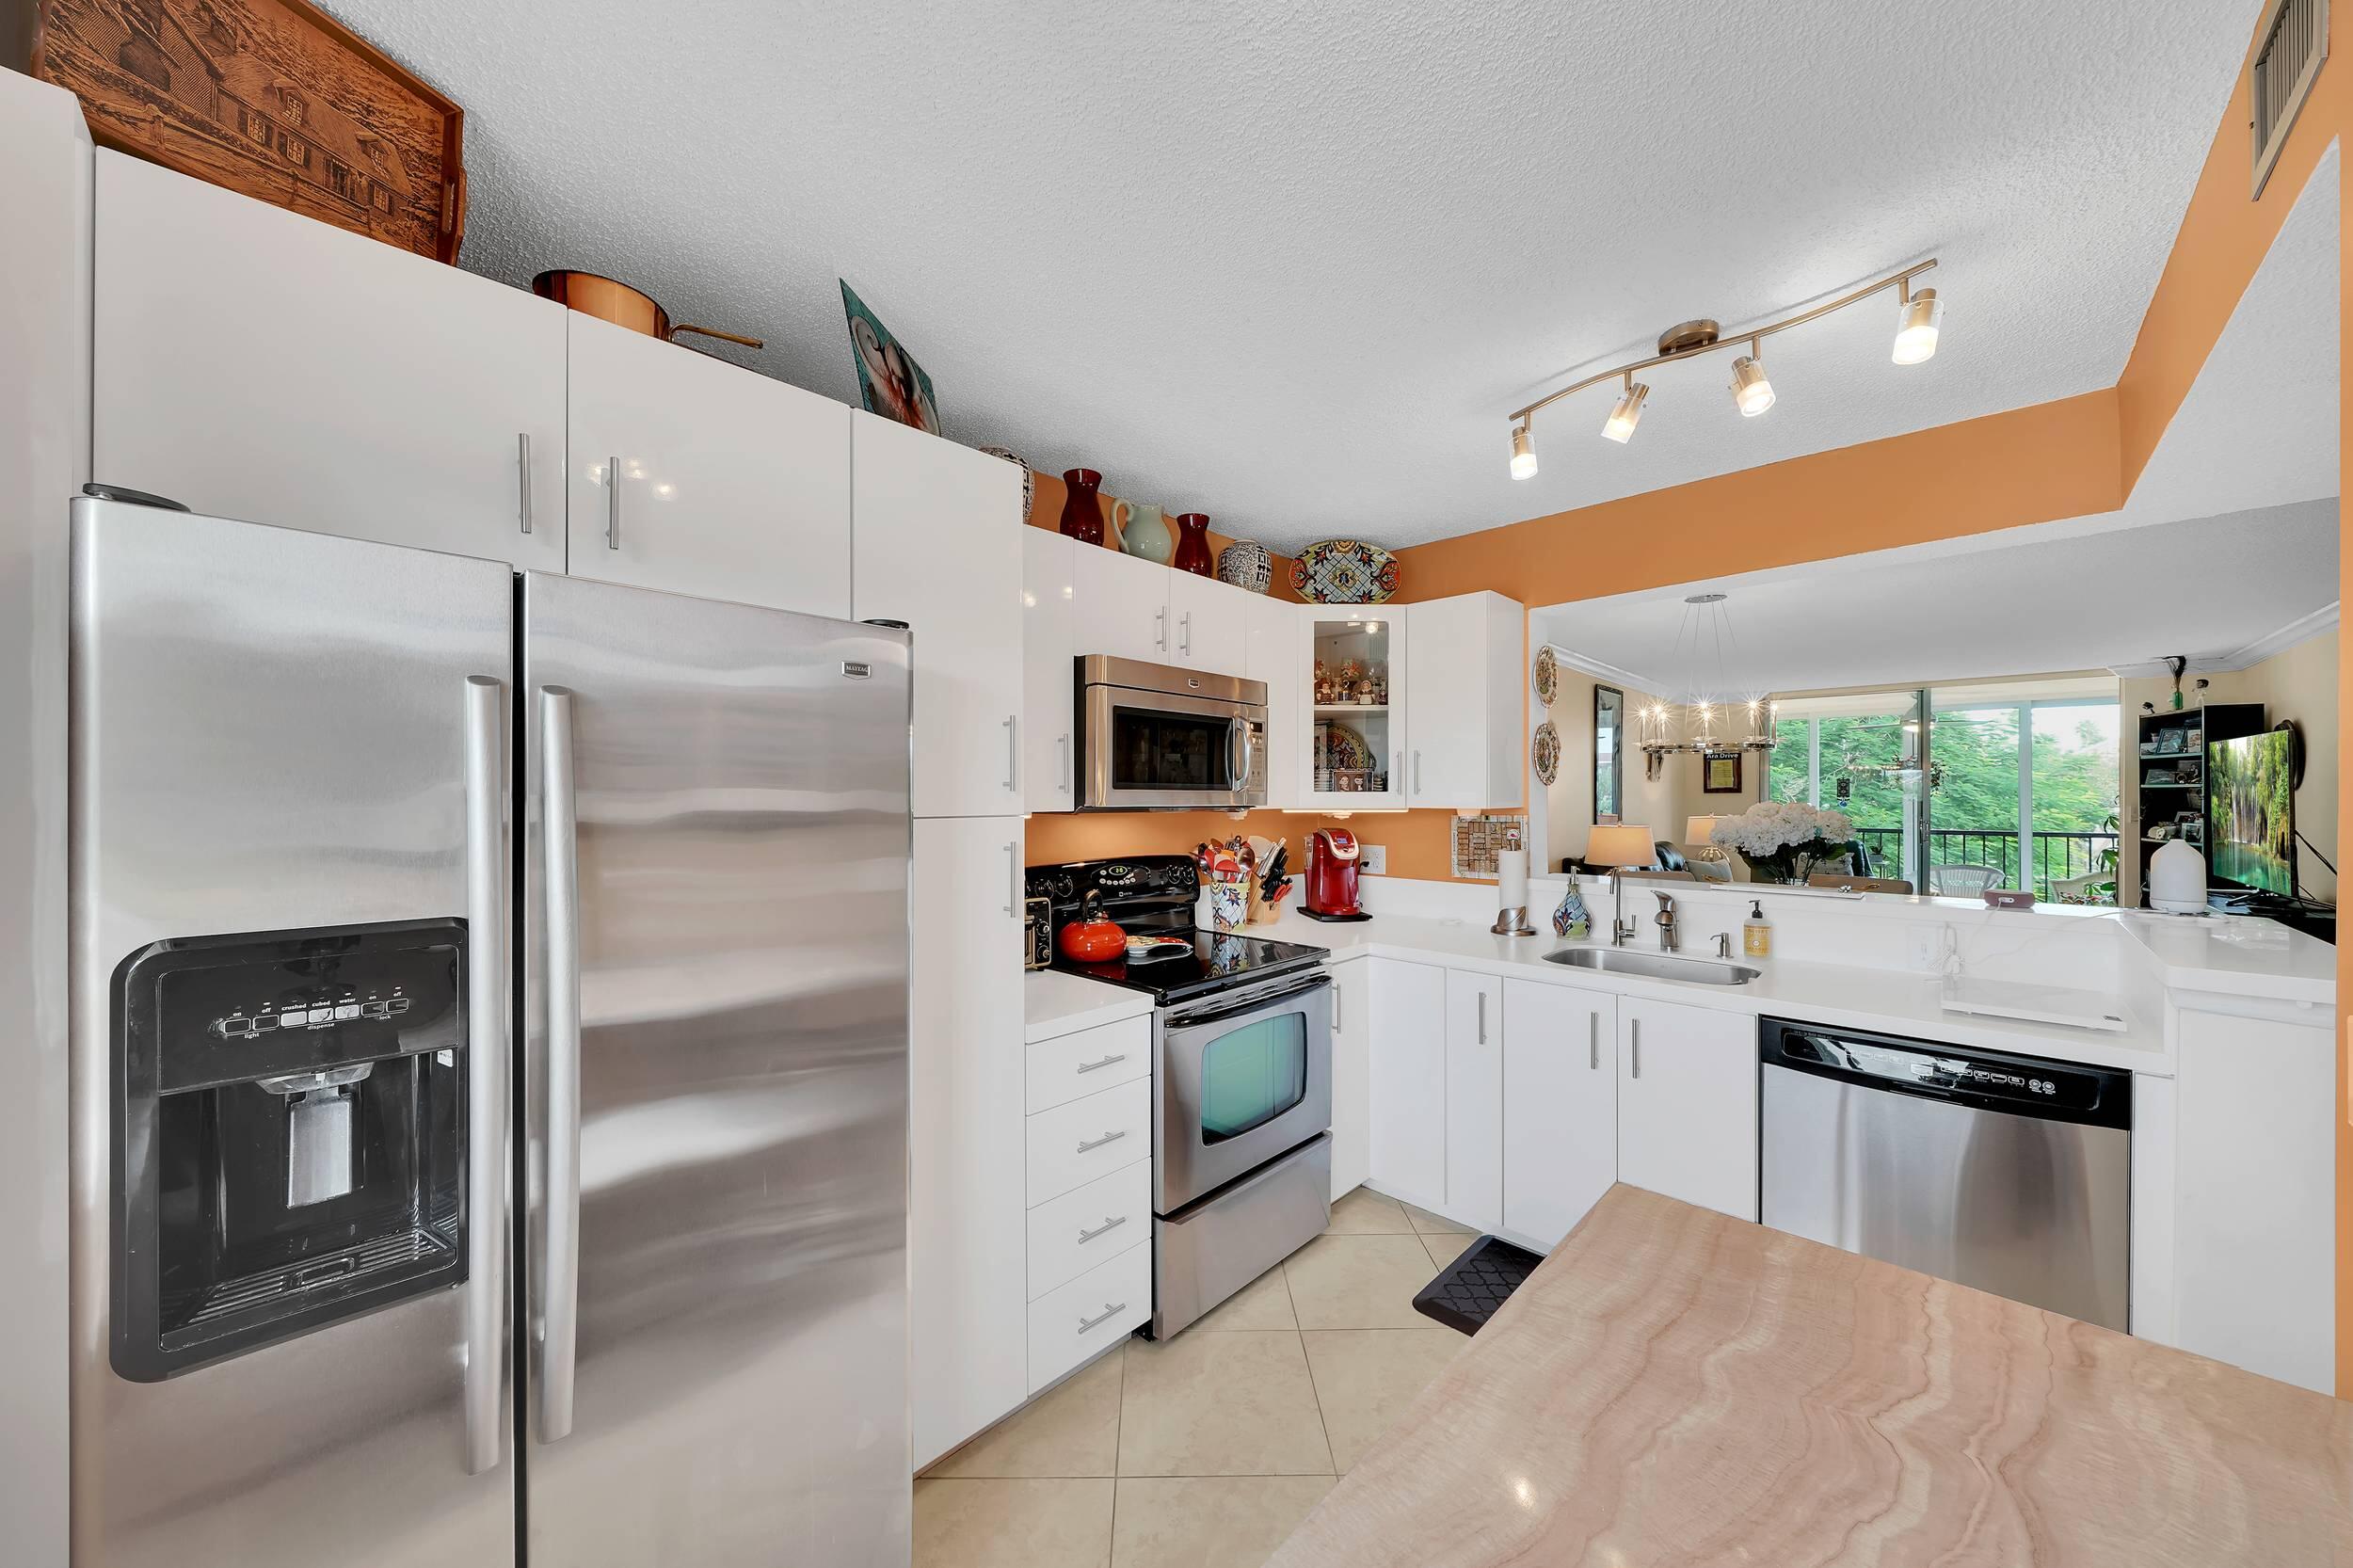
(1153, 895)
(1241, 1080)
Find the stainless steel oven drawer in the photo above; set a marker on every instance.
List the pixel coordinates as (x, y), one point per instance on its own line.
(1203, 1254)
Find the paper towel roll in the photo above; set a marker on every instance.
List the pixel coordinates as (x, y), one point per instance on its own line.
(1512, 879)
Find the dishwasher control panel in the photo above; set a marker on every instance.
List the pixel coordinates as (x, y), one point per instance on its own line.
(1991, 1079)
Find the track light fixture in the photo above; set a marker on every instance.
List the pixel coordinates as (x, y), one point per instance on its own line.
(1620, 425)
(1919, 312)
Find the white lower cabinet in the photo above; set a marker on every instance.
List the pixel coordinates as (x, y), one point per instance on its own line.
(1073, 1233)
(1090, 1314)
(1474, 1099)
(1559, 1106)
(1072, 1065)
(1408, 1079)
(1072, 1145)
(968, 1176)
(1687, 1104)
(1351, 1075)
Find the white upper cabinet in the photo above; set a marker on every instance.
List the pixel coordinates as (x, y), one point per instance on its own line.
(729, 485)
(937, 530)
(1271, 634)
(1559, 1106)
(255, 363)
(1463, 687)
(1049, 730)
(1349, 749)
(1210, 621)
(1687, 1104)
(1122, 606)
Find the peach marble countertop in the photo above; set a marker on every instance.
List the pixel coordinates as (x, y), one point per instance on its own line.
(1674, 1386)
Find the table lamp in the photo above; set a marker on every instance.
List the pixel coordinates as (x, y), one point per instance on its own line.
(1709, 861)
(1620, 844)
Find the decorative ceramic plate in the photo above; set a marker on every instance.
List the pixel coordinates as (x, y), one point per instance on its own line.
(1544, 746)
(1344, 571)
(1344, 748)
(1547, 678)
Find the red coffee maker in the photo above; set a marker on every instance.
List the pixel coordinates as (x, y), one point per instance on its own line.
(1331, 893)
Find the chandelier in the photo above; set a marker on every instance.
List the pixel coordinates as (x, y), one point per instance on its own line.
(1709, 722)
(1918, 313)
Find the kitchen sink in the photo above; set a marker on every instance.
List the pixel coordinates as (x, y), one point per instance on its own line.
(1654, 965)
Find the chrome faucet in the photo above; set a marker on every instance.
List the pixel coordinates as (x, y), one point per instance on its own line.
(1621, 929)
(1669, 938)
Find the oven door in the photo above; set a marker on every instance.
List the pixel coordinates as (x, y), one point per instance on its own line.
(1241, 1078)
(1164, 751)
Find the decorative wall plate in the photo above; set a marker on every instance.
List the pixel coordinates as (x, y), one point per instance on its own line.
(1343, 747)
(1545, 747)
(1344, 571)
(1547, 678)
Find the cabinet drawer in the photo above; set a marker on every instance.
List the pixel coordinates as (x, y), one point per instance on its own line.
(1089, 1062)
(1073, 1233)
(1092, 1313)
(1072, 1145)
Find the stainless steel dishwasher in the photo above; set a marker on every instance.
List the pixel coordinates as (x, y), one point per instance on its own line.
(2007, 1172)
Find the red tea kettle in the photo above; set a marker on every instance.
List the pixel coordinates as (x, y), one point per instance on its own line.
(1093, 937)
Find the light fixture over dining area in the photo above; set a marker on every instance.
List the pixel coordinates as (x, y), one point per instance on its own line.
(1918, 315)
(1712, 703)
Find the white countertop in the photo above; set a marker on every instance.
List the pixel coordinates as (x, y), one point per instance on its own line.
(1056, 1004)
(2237, 955)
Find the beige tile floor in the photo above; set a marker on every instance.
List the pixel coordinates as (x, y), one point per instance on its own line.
(1206, 1452)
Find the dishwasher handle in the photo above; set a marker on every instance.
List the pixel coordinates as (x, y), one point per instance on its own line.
(1962, 1075)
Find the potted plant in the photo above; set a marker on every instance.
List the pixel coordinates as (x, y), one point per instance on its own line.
(1783, 840)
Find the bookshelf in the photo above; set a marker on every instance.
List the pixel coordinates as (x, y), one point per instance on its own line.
(2168, 783)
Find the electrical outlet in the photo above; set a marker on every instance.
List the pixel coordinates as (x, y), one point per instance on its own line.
(1373, 859)
(1928, 945)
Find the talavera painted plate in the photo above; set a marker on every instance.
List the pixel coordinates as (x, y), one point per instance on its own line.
(1344, 571)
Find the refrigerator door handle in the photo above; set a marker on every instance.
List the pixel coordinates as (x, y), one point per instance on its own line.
(487, 1072)
(560, 1268)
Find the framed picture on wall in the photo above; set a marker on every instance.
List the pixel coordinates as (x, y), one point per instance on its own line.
(1608, 753)
(1720, 772)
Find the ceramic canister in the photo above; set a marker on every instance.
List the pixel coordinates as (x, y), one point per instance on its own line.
(1148, 534)
(1246, 564)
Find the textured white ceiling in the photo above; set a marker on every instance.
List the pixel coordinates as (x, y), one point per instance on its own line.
(1292, 266)
(2027, 602)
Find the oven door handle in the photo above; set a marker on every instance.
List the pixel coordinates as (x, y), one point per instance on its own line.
(1243, 1007)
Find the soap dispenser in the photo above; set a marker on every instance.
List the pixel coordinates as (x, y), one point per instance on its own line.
(1756, 934)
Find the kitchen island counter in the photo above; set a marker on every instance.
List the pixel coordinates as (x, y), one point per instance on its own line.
(1673, 1385)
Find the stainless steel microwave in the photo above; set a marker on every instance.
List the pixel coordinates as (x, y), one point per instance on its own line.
(1156, 738)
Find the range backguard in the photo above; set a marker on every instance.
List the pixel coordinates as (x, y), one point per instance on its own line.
(289, 1120)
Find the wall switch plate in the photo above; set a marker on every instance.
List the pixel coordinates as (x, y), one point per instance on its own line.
(1373, 859)
(1928, 945)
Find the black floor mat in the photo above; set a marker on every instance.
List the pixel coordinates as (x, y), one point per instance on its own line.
(1468, 1290)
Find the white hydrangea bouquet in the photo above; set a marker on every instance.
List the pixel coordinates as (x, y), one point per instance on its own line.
(1784, 840)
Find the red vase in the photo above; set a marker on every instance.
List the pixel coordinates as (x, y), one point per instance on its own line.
(1082, 516)
(1193, 544)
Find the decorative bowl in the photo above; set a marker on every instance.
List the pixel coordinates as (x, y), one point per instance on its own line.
(1344, 571)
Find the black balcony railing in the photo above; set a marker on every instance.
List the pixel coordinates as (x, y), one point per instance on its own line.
(2057, 855)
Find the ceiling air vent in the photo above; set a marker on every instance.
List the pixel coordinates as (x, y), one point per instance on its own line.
(2290, 46)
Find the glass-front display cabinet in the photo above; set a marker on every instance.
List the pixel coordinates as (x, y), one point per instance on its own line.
(1356, 743)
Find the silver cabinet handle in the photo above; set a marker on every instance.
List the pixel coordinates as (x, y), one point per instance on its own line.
(1108, 1061)
(1184, 625)
(1159, 629)
(1417, 770)
(1062, 779)
(1337, 994)
(1482, 1018)
(612, 503)
(1098, 1143)
(486, 1068)
(522, 468)
(560, 1267)
(1013, 867)
(1111, 1222)
(1634, 1045)
(1013, 752)
(1593, 1041)
(1109, 1311)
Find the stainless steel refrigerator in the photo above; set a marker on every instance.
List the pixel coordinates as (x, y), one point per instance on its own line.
(490, 1063)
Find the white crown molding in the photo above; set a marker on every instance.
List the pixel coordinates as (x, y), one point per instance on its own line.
(2269, 645)
(1600, 670)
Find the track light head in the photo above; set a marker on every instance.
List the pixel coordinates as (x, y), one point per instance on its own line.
(1523, 456)
(1628, 412)
(1750, 391)
(1916, 327)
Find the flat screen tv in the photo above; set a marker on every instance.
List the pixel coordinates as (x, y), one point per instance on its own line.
(2250, 811)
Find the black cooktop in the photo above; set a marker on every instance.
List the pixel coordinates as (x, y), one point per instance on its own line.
(1153, 895)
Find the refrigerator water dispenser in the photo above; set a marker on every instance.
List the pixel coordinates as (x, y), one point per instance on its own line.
(290, 1124)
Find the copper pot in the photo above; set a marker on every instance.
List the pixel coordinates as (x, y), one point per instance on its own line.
(616, 302)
